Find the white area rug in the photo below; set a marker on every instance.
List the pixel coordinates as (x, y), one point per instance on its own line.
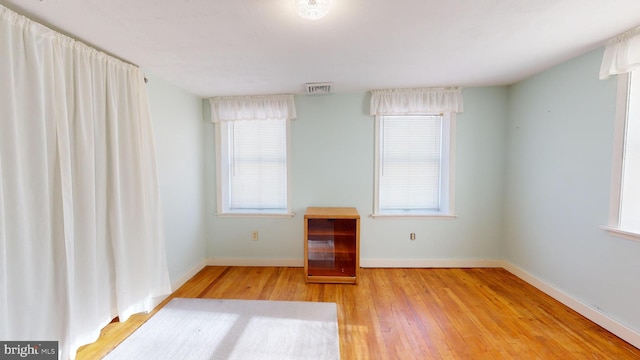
(235, 329)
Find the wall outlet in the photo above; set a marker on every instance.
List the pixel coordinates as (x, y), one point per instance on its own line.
(254, 235)
(412, 236)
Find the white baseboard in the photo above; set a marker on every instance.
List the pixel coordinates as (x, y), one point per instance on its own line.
(184, 278)
(175, 285)
(255, 262)
(629, 335)
(365, 263)
(422, 263)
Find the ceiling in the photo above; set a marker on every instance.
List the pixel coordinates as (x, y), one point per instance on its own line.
(249, 47)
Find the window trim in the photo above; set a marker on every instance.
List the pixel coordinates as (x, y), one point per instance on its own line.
(221, 211)
(622, 100)
(449, 120)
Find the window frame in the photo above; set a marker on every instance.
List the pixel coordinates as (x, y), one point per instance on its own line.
(222, 181)
(621, 119)
(447, 172)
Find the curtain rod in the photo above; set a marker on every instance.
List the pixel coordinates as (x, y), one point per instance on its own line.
(73, 38)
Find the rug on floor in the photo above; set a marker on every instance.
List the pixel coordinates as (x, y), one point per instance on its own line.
(235, 329)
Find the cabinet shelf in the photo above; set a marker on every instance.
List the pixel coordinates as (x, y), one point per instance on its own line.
(332, 245)
(328, 247)
(329, 232)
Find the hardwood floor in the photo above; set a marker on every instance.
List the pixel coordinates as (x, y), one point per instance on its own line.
(414, 314)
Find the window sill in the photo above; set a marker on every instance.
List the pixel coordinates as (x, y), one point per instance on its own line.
(257, 215)
(621, 233)
(414, 216)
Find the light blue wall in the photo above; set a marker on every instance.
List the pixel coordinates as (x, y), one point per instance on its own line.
(333, 165)
(476, 232)
(560, 141)
(178, 128)
(533, 174)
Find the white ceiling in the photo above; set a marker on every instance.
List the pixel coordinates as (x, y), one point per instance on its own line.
(247, 47)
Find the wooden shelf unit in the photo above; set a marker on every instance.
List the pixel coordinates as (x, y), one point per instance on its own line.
(331, 245)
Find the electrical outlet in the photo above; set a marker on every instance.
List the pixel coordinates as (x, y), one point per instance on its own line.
(412, 236)
(254, 236)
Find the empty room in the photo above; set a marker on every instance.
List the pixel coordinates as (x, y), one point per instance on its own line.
(320, 179)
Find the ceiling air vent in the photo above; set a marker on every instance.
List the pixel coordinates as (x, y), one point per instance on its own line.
(319, 88)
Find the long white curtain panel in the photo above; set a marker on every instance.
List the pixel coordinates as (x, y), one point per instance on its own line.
(81, 236)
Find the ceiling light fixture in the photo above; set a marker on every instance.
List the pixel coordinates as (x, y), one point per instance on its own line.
(312, 9)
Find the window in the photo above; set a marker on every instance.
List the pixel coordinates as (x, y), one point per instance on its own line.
(624, 218)
(414, 151)
(414, 165)
(252, 154)
(253, 166)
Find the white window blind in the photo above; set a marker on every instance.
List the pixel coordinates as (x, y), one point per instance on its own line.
(410, 163)
(414, 165)
(256, 165)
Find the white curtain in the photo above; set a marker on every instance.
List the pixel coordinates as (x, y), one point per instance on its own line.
(260, 107)
(418, 101)
(81, 236)
(622, 54)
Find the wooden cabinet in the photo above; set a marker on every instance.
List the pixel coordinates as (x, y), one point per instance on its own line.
(332, 245)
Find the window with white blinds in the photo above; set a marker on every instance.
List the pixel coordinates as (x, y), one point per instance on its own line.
(413, 162)
(624, 218)
(254, 166)
(630, 194)
(621, 58)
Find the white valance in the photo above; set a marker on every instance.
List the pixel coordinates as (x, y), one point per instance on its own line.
(416, 101)
(262, 107)
(622, 54)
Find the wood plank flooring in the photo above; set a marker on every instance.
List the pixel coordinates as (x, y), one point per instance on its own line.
(414, 314)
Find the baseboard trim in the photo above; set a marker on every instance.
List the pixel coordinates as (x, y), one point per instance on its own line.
(255, 262)
(365, 263)
(627, 334)
(435, 263)
(188, 275)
